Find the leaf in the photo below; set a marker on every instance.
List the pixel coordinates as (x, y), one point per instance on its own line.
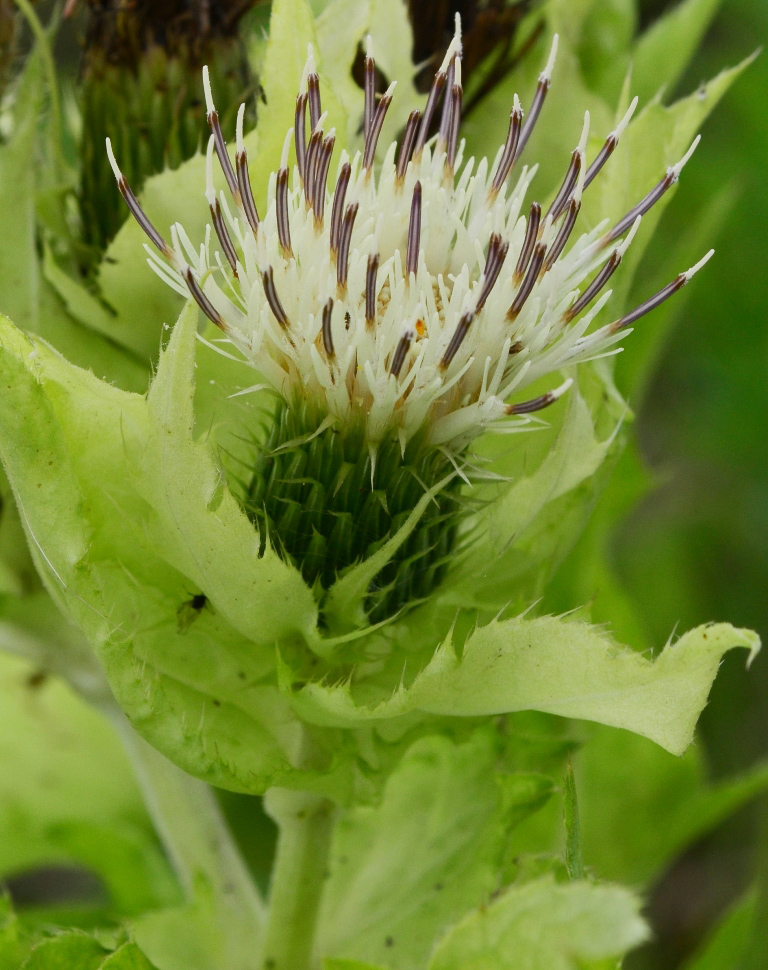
(18, 255)
(349, 965)
(71, 950)
(57, 802)
(562, 667)
(291, 29)
(543, 926)
(189, 938)
(727, 945)
(14, 942)
(340, 29)
(604, 45)
(664, 50)
(134, 521)
(142, 303)
(127, 957)
(402, 872)
(641, 807)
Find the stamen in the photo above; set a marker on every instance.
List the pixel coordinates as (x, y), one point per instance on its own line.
(445, 117)
(406, 146)
(345, 238)
(327, 334)
(664, 294)
(569, 184)
(672, 175)
(321, 177)
(315, 141)
(281, 210)
(376, 125)
(454, 122)
(315, 108)
(461, 331)
(497, 253)
(539, 403)
(542, 89)
(244, 178)
(221, 145)
(370, 89)
(338, 205)
(223, 234)
(370, 289)
(607, 271)
(610, 145)
(136, 210)
(594, 287)
(527, 285)
(531, 233)
(300, 133)
(414, 233)
(400, 353)
(202, 300)
(507, 159)
(268, 281)
(429, 110)
(563, 236)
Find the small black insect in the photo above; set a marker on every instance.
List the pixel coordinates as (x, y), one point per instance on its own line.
(189, 611)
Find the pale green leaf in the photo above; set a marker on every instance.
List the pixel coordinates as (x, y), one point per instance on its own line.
(392, 37)
(557, 666)
(340, 29)
(544, 926)
(517, 541)
(291, 30)
(133, 522)
(664, 50)
(402, 872)
(184, 486)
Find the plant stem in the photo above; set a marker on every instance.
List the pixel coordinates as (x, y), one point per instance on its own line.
(306, 827)
(202, 851)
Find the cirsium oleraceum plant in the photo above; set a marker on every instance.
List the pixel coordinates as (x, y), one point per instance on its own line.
(291, 598)
(306, 559)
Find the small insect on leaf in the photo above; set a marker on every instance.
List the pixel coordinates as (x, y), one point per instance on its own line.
(189, 611)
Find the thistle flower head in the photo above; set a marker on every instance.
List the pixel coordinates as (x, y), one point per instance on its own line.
(417, 300)
(405, 309)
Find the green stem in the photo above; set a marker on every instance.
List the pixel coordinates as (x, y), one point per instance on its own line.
(204, 856)
(306, 827)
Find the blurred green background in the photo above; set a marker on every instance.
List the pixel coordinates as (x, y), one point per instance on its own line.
(696, 547)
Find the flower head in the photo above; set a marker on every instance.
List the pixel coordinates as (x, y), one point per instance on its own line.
(418, 301)
(396, 316)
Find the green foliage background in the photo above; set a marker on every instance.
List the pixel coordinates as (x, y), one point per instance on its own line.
(696, 544)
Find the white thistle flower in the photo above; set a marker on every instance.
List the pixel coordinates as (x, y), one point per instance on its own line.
(420, 300)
